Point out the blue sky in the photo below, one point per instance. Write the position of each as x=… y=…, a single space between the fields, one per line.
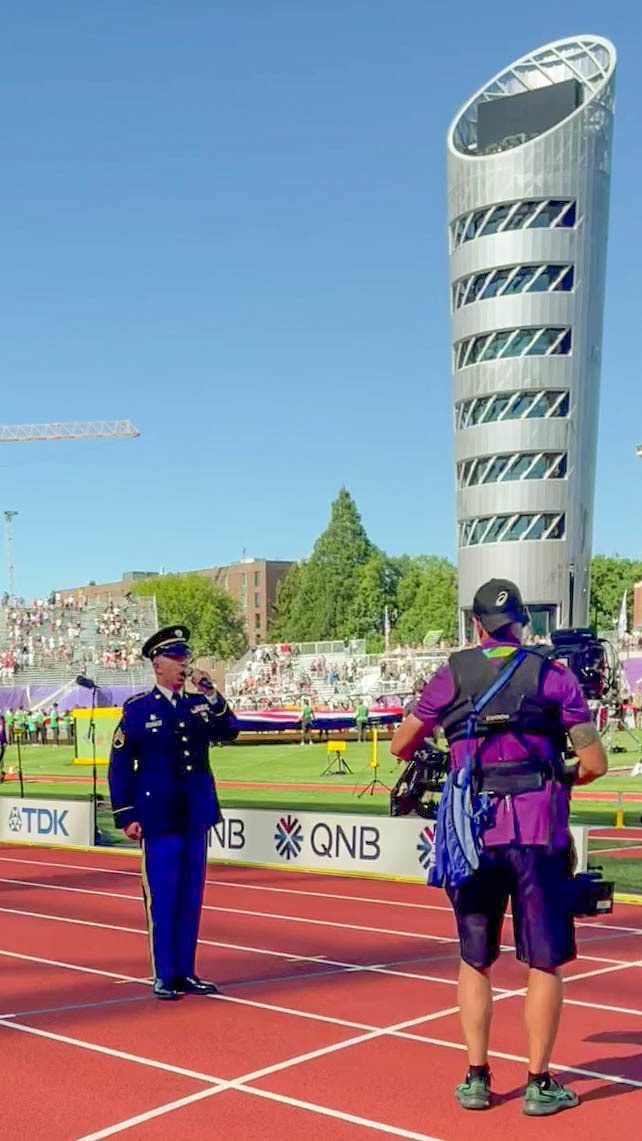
x=226 y=221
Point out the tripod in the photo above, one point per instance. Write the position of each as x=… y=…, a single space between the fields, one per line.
x=374 y=765
x=615 y=724
x=20 y=772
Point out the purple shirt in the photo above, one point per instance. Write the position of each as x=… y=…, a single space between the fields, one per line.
x=539 y=817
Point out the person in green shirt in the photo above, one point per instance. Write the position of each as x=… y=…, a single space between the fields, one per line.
x=54 y=722
x=361 y=719
x=68 y=723
x=41 y=732
x=8 y=720
x=307 y=718
x=31 y=728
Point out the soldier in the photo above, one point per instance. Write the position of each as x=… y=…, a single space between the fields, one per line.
x=163 y=795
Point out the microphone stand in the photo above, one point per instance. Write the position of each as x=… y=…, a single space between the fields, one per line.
x=20 y=773
x=91 y=736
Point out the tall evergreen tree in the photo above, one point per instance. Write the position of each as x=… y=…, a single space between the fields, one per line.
x=324 y=603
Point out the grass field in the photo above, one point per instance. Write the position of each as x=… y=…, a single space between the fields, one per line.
x=239 y=769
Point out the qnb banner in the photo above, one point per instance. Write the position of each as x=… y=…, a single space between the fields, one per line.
x=57 y=822
x=394 y=848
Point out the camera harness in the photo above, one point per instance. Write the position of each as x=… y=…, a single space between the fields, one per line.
x=465 y=806
x=488 y=702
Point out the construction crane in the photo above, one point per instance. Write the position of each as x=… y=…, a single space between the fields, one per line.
x=82 y=430
x=30 y=433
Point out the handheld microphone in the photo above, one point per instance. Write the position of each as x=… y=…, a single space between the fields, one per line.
x=203 y=683
x=85 y=682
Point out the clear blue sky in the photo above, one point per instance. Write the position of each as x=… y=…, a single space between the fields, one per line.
x=226 y=221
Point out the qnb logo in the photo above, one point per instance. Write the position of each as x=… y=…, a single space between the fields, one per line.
x=425 y=845
x=288 y=838
x=38 y=821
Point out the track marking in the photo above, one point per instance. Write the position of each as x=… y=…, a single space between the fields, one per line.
x=241 y=911
x=75 y=1006
x=287 y=955
x=377 y=900
x=287 y=918
x=109 y=1051
x=243 y=1084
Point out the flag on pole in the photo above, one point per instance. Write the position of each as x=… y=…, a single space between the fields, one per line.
x=386 y=627
x=621 y=622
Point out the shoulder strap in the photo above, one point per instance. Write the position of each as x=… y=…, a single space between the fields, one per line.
x=500 y=681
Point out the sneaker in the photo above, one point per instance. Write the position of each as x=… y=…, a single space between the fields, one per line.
x=541 y=1101
x=474 y=1093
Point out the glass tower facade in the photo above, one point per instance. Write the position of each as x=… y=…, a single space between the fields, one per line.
x=528 y=196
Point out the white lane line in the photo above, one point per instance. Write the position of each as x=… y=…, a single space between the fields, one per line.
x=109 y=1051
x=398 y=1030
x=246 y=886
x=141 y=1118
x=278 y=1009
x=287 y=955
x=341 y=1115
x=377 y=900
x=596 y=1074
x=242 y=911
x=244 y=1083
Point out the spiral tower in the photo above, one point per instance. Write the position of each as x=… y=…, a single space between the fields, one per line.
x=529 y=161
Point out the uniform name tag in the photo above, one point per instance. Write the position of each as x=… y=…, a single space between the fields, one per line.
x=153 y=723
x=200 y=708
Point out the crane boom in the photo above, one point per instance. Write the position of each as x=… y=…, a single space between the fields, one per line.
x=80 y=430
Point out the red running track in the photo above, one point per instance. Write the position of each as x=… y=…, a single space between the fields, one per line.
x=338 y=1016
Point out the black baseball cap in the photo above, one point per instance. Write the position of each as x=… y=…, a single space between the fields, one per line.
x=497 y=603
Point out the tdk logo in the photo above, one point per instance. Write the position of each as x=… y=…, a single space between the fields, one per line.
x=31 y=821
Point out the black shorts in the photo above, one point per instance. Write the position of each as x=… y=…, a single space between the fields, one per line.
x=534 y=880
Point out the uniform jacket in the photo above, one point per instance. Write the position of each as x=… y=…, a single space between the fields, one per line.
x=159 y=771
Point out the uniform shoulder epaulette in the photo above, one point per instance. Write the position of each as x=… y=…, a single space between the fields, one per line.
x=134 y=697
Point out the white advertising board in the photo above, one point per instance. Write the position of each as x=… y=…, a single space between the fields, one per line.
x=66 y=823
x=391 y=847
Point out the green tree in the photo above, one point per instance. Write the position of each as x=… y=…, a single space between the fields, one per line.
x=376 y=589
x=611 y=576
x=323 y=605
x=213 y=617
x=286 y=593
x=426 y=599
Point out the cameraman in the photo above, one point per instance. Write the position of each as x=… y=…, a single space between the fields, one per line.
x=527 y=844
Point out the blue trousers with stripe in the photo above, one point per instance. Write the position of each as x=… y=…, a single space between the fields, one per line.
x=173 y=870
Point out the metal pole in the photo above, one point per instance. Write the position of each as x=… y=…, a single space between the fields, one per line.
x=9 y=516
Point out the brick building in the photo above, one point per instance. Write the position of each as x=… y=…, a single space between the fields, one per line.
x=252 y=582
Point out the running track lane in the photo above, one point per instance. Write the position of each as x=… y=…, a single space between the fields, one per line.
x=335 y=996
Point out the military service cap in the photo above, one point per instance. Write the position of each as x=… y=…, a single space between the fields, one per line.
x=172 y=640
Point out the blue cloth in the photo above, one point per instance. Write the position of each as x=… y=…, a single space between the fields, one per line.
x=173 y=870
x=159 y=771
x=461 y=819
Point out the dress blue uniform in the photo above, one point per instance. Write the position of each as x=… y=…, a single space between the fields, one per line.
x=160 y=777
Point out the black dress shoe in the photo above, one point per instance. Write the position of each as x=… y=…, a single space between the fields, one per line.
x=165 y=990
x=191 y=984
